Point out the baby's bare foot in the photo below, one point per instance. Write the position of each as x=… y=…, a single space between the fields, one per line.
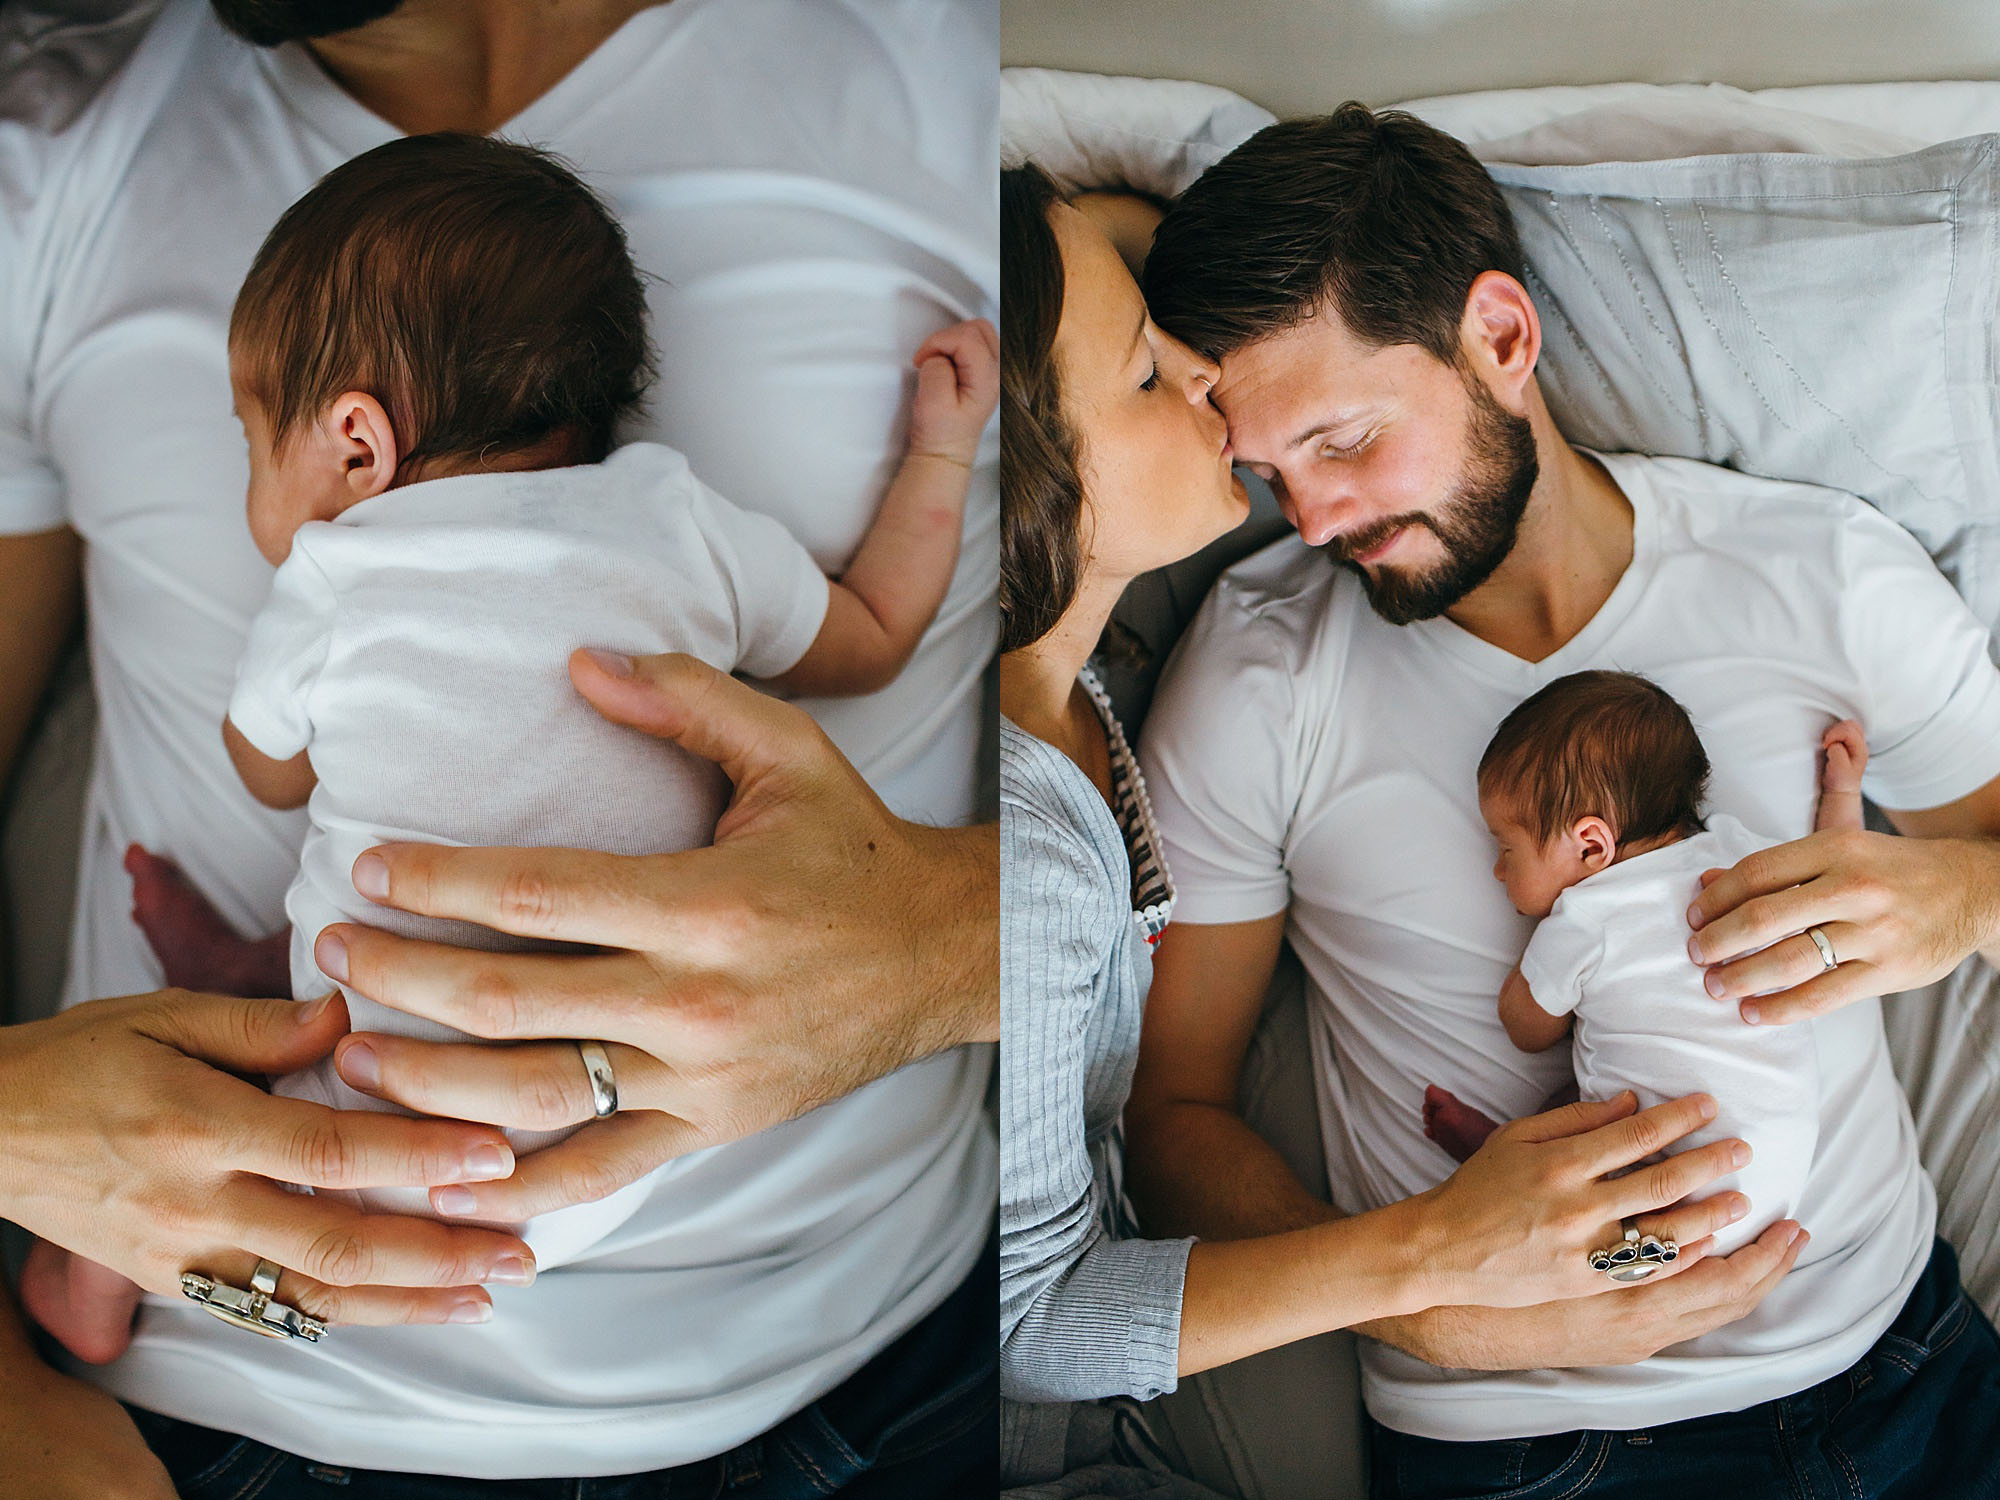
x=197 y=949
x=85 y=1307
x=1454 y=1125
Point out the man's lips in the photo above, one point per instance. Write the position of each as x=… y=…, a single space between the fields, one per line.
x=1380 y=549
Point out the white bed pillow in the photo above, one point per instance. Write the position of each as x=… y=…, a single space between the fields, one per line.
x=1794 y=316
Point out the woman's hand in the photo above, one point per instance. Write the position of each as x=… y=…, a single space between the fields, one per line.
x=819 y=944
x=1515 y=1225
x=1898 y=912
x=63 y=1440
x=129 y=1139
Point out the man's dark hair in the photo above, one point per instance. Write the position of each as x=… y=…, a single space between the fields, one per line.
x=270 y=22
x=1599 y=744
x=1041 y=491
x=475 y=288
x=1385 y=217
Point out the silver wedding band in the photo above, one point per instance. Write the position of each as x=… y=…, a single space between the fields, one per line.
x=254 y=1308
x=603 y=1085
x=1825 y=947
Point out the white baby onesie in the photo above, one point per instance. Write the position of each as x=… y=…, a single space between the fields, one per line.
x=1614 y=951
x=417 y=647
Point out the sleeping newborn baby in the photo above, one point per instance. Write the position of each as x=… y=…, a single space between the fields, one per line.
x=429 y=356
x=1592 y=788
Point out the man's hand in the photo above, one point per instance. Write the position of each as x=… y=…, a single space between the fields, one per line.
x=819 y=944
x=1898 y=913
x=127 y=1141
x=1621 y=1327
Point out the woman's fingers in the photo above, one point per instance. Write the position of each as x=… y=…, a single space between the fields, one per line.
x=1725 y=1287
x=1629 y=1140
x=500 y=996
x=294 y=1140
x=1788 y=962
x=1687 y=1223
x=364 y=1306
x=333 y=1242
x=1664 y=1182
x=243 y=1036
x=1577 y=1117
x=598 y=1160
x=532 y=1086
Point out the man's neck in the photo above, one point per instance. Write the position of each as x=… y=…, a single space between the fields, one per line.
x=1574 y=545
x=467 y=64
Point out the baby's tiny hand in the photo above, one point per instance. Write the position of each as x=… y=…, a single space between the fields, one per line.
x=958 y=384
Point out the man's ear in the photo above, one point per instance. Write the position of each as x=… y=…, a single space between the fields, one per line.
x=1593 y=842
x=362 y=439
x=1501 y=332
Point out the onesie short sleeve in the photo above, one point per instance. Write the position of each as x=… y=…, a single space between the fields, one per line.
x=1221 y=782
x=1927 y=692
x=282 y=659
x=780 y=594
x=1563 y=955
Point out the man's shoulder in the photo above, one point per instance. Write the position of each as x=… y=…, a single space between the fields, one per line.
x=1279 y=596
x=1707 y=501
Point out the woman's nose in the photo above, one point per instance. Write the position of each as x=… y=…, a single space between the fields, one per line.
x=1201 y=377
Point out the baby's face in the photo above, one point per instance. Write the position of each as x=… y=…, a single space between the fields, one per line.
x=1534 y=873
x=276 y=504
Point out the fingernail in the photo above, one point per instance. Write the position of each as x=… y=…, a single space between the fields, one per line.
x=312 y=1010
x=484 y=1163
x=1707 y=1106
x=471 y=1310
x=1749 y=1014
x=371 y=877
x=1694 y=949
x=454 y=1200
x=330 y=953
x=1738 y=1207
x=1740 y=1154
x=610 y=661
x=1695 y=920
x=515 y=1270
x=1712 y=982
x=361 y=1067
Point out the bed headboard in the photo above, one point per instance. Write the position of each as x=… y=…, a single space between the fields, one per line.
x=1303 y=56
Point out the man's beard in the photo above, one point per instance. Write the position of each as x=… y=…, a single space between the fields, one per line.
x=1476 y=524
x=269 y=22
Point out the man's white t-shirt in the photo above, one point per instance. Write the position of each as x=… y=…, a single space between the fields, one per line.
x=1613 y=953
x=1306 y=757
x=416 y=647
x=809 y=189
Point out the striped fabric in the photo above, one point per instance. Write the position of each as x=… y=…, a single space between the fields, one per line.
x=1152 y=885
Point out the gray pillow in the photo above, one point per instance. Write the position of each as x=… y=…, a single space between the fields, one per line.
x=1799 y=317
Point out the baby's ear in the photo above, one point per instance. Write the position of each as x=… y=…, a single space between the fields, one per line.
x=1595 y=844
x=363 y=439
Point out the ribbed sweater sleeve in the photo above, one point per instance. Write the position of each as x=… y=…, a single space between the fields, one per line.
x=1082 y=1314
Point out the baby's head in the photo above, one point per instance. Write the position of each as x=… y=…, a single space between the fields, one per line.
x=1594 y=768
x=441 y=304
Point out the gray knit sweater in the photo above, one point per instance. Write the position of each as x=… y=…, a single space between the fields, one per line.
x=1086 y=1309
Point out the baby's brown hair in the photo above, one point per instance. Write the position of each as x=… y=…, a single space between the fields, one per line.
x=1599 y=744
x=474 y=287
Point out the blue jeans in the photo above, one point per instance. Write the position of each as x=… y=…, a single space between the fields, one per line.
x=1918 y=1418
x=918 y=1421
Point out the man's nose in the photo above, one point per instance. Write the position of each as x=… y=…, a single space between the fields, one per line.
x=1319 y=505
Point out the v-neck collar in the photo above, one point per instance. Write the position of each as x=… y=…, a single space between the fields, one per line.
x=1502 y=667
x=350 y=126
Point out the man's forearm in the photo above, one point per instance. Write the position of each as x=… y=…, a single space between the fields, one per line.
x=1200 y=1169
x=965 y=874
